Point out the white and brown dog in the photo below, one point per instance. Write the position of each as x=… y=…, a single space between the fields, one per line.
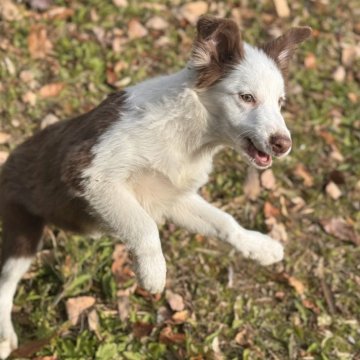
x=143 y=153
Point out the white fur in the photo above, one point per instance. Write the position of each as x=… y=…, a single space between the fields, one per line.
x=149 y=165
x=12 y=272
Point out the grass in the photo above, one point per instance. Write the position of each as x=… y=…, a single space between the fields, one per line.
x=264 y=314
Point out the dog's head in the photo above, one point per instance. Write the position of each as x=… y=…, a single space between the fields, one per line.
x=243 y=87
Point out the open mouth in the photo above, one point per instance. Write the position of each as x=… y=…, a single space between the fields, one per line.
x=260 y=158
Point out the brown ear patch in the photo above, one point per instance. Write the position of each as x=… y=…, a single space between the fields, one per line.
x=282 y=48
x=217 y=48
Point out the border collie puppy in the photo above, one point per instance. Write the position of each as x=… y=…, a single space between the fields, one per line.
x=141 y=156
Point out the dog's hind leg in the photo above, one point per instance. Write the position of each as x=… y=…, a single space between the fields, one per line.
x=22 y=233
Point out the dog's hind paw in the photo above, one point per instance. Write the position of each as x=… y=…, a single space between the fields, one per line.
x=7 y=345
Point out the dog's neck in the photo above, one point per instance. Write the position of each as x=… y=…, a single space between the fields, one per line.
x=172 y=99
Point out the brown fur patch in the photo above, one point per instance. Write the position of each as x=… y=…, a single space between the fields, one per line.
x=43 y=176
x=282 y=48
x=217 y=48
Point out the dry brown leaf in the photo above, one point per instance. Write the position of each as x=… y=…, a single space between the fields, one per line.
x=175 y=301
x=268 y=179
x=123 y=304
x=252 y=184
x=333 y=190
x=141 y=329
x=301 y=172
x=51 y=90
x=38 y=43
x=29 y=98
x=270 y=210
x=353 y=97
x=167 y=336
x=121 y=264
x=277 y=230
x=120 y=3
x=243 y=337
x=27 y=350
x=136 y=30
x=59 y=13
x=3 y=156
x=9 y=11
x=157 y=23
x=76 y=306
x=311 y=306
x=310 y=61
x=93 y=321
x=180 y=316
x=339 y=228
x=282 y=8
x=349 y=54
x=295 y=283
x=4 y=138
x=339 y=74
x=193 y=10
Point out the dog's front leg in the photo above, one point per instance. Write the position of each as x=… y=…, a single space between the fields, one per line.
x=197 y=215
x=125 y=217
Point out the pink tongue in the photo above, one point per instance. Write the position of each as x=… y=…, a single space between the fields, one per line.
x=262 y=157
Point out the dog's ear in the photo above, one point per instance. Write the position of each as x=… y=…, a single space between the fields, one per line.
x=282 y=48
x=216 y=49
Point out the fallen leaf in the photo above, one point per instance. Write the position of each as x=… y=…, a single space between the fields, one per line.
x=270 y=210
x=123 y=304
x=9 y=66
x=40 y=4
x=157 y=23
x=277 y=230
x=51 y=90
x=252 y=184
x=268 y=179
x=282 y=8
x=136 y=30
x=333 y=190
x=180 y=316
x=29 y=98
x=48 y=120
x=311 y=306
x=121 y=264
x=339 y=228
x=301 y=172
x=353 y=97
x=348 y=54
x=4 y=138
x=28 y=349
x=295 y=283
x=339 y=74
x=93 y=321
x=59 y=13
x=175 y=301
x=310 y=61
x=120 y=3
x=76 y=306
x=9 y=11
x=3 y=156
x=141 y=329
x=193 y=10
x=38 y=43
x=168 y=337
x=243 y=337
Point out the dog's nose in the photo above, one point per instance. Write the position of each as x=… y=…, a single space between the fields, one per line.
x=280 y=144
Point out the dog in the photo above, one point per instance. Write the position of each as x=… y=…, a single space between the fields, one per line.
x=141 y=156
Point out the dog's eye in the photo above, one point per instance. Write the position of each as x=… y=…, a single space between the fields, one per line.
x=248 y=98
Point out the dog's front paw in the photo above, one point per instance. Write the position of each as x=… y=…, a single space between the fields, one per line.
x=151 y=273
x=8 y=343
x=261 y=248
